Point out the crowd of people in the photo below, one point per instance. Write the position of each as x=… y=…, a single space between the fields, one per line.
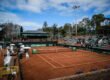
x=89 y=41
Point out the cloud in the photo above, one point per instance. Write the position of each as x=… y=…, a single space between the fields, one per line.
x=107 y=13
x=97 y=6
x=80 y=19
x=29 y=5
x=8 y=17
x=32 y=5
x=11 y=17
x=28 y=25
x=62 y=6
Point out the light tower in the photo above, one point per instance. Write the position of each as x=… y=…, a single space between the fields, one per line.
x=76 y=7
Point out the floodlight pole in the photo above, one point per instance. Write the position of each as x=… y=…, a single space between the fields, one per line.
x=76 y=28
x=75 y=7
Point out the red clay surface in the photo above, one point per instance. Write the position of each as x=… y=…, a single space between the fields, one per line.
x=64 y=62
x=52 y=49
x=1 y=60
x=1 y=57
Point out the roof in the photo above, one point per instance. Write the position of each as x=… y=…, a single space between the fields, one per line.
x=34 y=32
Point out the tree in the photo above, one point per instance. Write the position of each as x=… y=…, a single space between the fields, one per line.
x=45 y=26
x=21 y=30
x=61 y=31
x=86 y=24
x=55 y=31
x=68 y=29
x=97 y=19
x=10 y=31
x=81 y=30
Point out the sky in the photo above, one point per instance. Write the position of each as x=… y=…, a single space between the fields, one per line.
x=31 y=14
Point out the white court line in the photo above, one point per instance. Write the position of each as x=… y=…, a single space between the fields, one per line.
x=47 y=61
x=55 y=61
x=82 y=64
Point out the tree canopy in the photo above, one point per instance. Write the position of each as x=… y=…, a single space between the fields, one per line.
x=85 y=26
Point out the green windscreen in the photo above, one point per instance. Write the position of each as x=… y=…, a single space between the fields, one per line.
x=37 y=45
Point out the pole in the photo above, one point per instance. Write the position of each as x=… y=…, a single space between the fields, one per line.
x=76 y=28
x=75 y=7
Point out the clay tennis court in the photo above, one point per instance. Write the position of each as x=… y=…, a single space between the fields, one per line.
x=54 y=62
